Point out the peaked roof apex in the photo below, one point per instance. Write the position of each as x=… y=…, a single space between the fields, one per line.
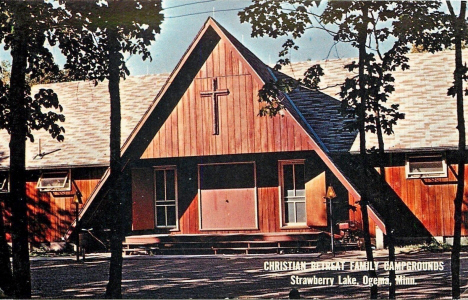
x=255 y=65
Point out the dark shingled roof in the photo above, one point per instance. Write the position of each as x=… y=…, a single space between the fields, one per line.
x=322 y=112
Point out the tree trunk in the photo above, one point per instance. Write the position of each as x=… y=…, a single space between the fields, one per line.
x=6 y=279
x=114 y=287
x=388 y=221
x=18 y=205
x=458 y=80
x=362 y=38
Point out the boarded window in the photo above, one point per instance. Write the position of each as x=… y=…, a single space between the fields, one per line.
x=426 y=166
x=228 y=196
x=227 y=176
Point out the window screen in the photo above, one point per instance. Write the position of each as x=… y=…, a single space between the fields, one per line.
x=428 y=166
x=54 y=181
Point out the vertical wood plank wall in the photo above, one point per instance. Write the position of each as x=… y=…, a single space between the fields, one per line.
x=51 y=216
x=188 y=130
x=268 y=195
x=430 y=200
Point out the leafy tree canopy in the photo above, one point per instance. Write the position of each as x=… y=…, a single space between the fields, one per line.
x=384 y=21
x=85 y=41
x=32 y=22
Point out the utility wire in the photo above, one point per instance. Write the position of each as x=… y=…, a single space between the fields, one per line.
x=187 y=4
x=205 y=12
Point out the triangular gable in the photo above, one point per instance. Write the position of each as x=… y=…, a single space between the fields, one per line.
x=211 y=42
x=179 y=124
x=189 y=129
x=198 y=64
x=180 y=79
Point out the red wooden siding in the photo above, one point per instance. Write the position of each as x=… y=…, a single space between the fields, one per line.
x=430 y=200
x=188 y=130
x=143 y=199
x=259 y=208
x=316 y=205
x=51 y=214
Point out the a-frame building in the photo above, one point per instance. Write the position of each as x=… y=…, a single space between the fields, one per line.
x=202 y=165
x=203 y=161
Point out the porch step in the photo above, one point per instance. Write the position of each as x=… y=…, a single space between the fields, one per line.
x=226 y=243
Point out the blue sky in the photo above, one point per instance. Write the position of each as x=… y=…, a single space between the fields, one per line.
x=184 y=18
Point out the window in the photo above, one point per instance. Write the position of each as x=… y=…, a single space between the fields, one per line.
x=4 y=182
x=58 y=181
x=426 y=166
x=166 y=197
x=292 y=181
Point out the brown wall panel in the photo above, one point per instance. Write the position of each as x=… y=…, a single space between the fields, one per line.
x=188 y=130
x=430 y=200
x=316 y=206
x=51 y=214
x=228 y=209
x=142 y=199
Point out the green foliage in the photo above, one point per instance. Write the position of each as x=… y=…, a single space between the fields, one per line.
x=272 y=94
x=94 y=42
x=385 y=20
x=379 y=85
x=430 y=33
x=312 y=76
x=36 y=118
x=51 y=77
x=435 y=246
x=280 y=18
x=26 y=27
x=33 y=22
x=85 y=40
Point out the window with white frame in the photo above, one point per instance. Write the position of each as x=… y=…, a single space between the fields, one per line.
x=292 y=181
x=426 y=166
x=166 y=197
x=4 y=182
x=54 y=181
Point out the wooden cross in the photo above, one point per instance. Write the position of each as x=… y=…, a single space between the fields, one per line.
x=214 y=94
